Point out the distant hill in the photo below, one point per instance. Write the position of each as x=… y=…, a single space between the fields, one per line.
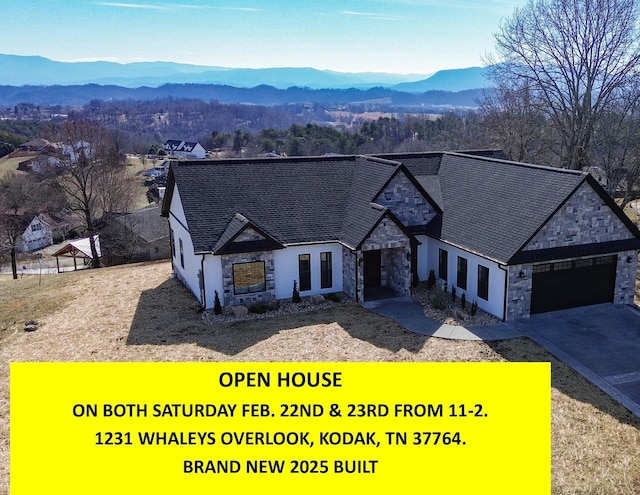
x=33 y=70
x=265 y=95
x=449 y=80
x=18 y=70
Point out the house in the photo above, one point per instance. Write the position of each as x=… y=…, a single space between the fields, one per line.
x=139 y=236
x=45 y=230
x=183 y=149
x=516 y=238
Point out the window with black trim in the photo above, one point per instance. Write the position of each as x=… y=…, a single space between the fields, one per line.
x=172 y=240
x=483 y=282
x=181 y=254
x=249 y=277
x=304 y=271
x=443 y=263
x=326 y=270
x=462 y=273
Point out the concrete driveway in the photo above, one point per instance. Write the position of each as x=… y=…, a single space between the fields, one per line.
x=601 y=342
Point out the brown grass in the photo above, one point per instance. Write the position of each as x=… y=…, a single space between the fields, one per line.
x=137 y=313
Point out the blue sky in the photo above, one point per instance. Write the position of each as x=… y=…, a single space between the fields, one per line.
x=397 y=36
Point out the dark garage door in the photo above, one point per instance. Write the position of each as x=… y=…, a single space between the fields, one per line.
x=569 y=284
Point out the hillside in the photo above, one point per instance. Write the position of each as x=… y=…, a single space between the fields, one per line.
x=259 y=95
x=595 y=442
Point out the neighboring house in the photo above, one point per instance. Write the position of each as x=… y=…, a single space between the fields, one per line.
x=516 y=238
x=183 y=149
x=139 y=236
x=40 y=145
x=45 y=230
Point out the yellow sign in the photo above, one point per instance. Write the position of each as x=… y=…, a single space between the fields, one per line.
x=167 y=428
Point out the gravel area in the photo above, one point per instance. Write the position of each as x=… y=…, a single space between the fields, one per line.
x=451 y=312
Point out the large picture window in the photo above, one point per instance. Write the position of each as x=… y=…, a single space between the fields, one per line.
x=249 y=277
x=326 y=270
x=462 y=273
x=304 y=271
x=483 y=282
x=443 y=263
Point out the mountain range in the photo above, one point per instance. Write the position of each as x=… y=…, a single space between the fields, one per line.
x=17 y=70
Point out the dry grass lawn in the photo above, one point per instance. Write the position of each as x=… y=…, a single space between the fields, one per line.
x=137 y=313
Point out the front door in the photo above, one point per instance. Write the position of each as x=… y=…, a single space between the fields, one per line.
x=372 y=268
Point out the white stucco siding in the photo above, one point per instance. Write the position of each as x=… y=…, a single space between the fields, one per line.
x=423 y=259
x=497 y=276
x=286 y=269
x=186 y=264
x=213 y=280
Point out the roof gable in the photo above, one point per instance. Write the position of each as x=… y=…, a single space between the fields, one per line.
x=492 y=207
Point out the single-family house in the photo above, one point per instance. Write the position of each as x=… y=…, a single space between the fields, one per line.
x=45 y=230
x=184 y=149
x=142 y=235
x=516 y=238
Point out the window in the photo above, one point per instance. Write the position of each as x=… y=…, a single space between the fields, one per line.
x=172 y=241
x=483 y=282
x=326 y=271
x=181 y=254
x=443 y=263
x=249 y=277
x=36 y=227
x=304 y=271
x=462 y=273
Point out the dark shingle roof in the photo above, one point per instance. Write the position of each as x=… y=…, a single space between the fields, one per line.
x=493 y=207
x=293 y=200
x=147 y=223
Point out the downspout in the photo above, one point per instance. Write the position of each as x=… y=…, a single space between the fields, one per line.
x=506 y=294
x=355 y=254
x=204 y=284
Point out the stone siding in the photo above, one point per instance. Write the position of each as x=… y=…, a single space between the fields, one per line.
x=349 y=260
x=519 y=287
x=583 y=219
x=395 y=259
x=626 y=272
x=230 y=298
x=249 y=234
x=406 y=202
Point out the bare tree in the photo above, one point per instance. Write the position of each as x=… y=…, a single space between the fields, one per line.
x=92 y=172
x=578 y=58
x=18 y=199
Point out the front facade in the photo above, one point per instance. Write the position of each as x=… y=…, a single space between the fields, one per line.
x=517 y=239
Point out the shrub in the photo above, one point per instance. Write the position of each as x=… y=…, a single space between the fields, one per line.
x=217 y=307
x=438 y=298
x=453 y=293
x=431 y=280
x=474 y=308
x=463 y=300
x=295 y=297
x=333 y=296
x=258 y=308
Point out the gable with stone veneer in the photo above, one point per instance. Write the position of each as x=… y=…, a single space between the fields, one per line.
x=584 y=218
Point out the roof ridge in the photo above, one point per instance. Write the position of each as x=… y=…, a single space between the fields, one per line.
x=517 y=164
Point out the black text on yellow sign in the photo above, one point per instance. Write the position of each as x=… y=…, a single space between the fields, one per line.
x=167 y=428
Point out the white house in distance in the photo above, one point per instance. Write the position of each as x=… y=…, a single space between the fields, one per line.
x=516 y=238
x=185 y=150
x=44 y=230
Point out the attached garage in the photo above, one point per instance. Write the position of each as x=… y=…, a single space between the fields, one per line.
x=573 y=283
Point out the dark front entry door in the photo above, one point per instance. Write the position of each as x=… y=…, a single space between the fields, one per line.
x=372 y=265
